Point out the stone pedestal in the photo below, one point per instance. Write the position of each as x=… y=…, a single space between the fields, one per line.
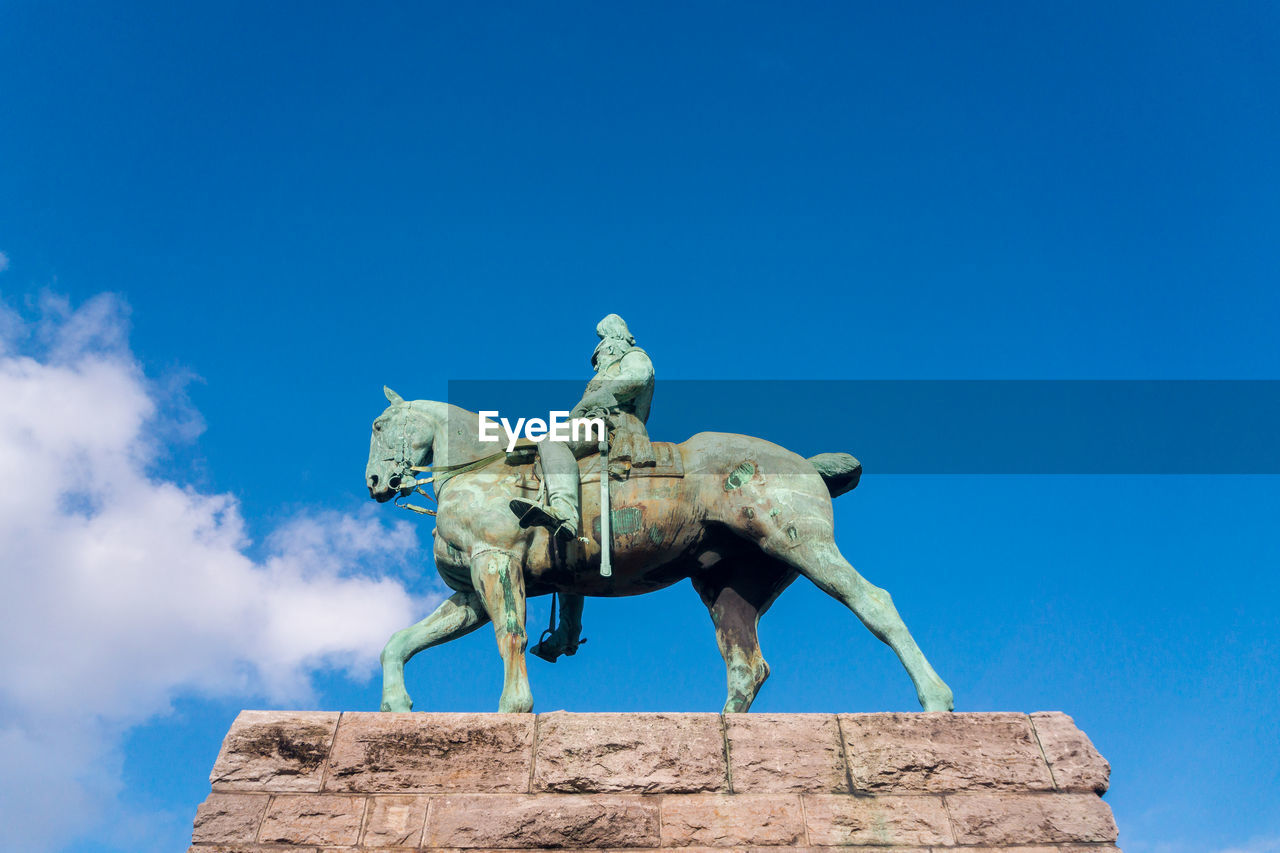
x=315 y=781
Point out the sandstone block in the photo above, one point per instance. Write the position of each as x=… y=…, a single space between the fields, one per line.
x=1004 y=819
x=429 y=753
x=874 y=848
x=940 y=752
x=321 y=819
x=1047 y=848
x=738 y=849
x=275 y=751
x=649 y=753
x=837 y=820
x=785 y=752
x=723 y=820
x=502 y=821
x=250 y=848
x=229 y=818
x=697 y=783
x=1075 y=764
x=394 y=821
x=628 y=849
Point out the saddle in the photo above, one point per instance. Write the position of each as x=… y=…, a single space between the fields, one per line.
x=665 y=456
x=667 y=462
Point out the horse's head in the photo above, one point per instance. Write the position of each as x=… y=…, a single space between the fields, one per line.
x=402 y=438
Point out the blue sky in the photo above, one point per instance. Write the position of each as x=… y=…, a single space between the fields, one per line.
x=224 y=228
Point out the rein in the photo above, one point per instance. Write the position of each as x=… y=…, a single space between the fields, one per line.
x=440 y=474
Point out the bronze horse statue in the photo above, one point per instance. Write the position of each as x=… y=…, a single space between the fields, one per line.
x=739 y=516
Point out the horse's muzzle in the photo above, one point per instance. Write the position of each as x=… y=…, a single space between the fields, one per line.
x=381 y=494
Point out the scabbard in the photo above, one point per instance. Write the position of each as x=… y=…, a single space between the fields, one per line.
x=606 y=532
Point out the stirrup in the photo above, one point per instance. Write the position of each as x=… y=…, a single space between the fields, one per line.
x=543 y=651
x=532 y=513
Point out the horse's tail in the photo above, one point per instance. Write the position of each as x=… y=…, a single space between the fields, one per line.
x=840 y=471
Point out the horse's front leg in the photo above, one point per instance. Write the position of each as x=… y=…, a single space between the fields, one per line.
x=499 y=577
x=458 y=615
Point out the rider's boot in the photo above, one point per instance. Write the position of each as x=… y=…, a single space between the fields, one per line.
x=566 y=637
x=560 y=474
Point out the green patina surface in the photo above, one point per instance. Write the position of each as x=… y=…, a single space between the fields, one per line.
x=422 y=436
x=456 y=575
x=625 y=520
x=513 y=624
x=739 y=476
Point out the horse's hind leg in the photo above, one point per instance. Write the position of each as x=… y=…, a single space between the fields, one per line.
x=737 y=595
x=499 y=577
x=458 y=615
x=817 y=558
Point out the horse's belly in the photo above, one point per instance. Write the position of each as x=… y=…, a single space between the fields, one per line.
x=650 y=530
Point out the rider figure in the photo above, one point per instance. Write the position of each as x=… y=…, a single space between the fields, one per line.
x=620 y=393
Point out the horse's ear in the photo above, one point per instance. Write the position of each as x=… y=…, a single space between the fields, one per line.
x=392 y=396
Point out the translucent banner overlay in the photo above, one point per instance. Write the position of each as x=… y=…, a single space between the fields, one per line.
x=957 y=427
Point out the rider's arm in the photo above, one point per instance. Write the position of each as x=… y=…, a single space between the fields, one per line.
x=635 y=373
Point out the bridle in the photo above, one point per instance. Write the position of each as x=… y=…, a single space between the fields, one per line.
x=439 y=474
x=416 y=486
x=405 y=483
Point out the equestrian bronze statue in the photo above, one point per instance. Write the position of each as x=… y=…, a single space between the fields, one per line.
x=739 y=516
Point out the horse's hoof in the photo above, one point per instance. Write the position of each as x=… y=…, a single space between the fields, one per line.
x=397 y=704
x=941 y=701
x=519 y=703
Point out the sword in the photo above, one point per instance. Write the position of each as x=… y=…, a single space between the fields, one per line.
x=606 y=535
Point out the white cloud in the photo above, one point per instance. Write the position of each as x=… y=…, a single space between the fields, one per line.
x=4 y=262
x=122 y=590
